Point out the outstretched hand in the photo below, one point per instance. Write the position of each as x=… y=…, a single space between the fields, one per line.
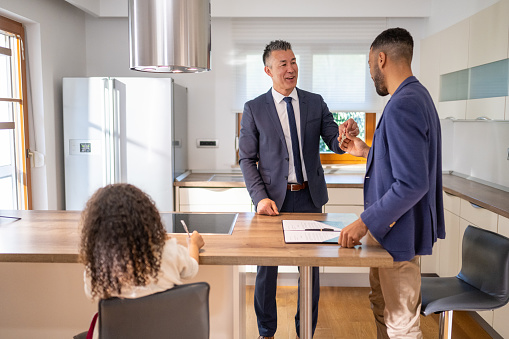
x=349 y=126
x=353 y=145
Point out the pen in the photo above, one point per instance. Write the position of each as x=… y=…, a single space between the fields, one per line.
x=185 y=228
x=320 y=229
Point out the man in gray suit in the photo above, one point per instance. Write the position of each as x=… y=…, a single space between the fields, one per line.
x=280 y=160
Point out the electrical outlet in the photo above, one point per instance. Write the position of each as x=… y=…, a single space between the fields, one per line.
x=208 y=143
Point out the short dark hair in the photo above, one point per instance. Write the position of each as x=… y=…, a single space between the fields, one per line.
x=395 y=42
x=277 y=45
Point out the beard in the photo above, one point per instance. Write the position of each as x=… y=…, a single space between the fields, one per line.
x=379 y=80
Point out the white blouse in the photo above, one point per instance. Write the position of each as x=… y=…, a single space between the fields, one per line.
x=176 y=264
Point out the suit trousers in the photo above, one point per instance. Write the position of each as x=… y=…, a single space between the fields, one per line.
x=266 y=277
x=396 y=298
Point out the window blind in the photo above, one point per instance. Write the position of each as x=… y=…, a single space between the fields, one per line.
x=332 y=55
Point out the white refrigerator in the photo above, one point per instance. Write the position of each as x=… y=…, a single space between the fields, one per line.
x=130 y=130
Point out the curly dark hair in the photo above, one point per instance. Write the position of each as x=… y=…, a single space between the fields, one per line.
x=122 y=239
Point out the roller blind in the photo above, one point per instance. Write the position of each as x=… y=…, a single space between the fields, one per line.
x=332 y=55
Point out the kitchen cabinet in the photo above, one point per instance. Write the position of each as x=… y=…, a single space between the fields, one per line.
x=454 y=42
x=213 y=199
x=471 y=214
x=430 y=68
x=448 y=247
x=452 y=109
x=491 y=108
x=501 y=315
x=478 y=216
x=345 y=200
x=449 y=265
x=489 y=35
x=459 y=213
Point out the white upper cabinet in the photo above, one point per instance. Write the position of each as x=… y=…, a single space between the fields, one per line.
x=430 y=71
x=454 y=47
x=489 y=35
x=490 y=108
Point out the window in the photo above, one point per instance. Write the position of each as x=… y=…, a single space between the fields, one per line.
x=14 y=166
x=366 y=123
x=332 y=59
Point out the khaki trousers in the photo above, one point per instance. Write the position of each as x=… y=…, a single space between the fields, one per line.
x=396 y=298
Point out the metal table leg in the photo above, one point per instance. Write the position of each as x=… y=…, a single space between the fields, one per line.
x=306 y=306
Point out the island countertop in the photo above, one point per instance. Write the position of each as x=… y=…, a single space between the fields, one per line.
x=53 y=236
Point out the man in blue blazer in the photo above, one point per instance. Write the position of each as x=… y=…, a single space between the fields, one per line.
x=403 y=207
x=280 y=160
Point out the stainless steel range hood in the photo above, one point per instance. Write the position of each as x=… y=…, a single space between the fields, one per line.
x=169 y=36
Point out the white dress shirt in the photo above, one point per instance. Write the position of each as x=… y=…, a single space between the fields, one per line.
x=285 y=124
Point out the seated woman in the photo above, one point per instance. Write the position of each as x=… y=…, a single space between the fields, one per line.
x=125 y=248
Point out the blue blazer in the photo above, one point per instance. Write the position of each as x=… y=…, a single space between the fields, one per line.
x=403 y=206
x=263 y=155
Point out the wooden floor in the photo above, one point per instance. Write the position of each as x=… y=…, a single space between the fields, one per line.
x=344 y=312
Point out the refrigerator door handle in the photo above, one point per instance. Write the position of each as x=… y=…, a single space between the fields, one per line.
x=119 y=130
x=108 y=134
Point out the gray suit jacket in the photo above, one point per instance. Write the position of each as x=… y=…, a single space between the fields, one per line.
x=263 y=155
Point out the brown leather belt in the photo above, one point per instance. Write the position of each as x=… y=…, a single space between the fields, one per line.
x=297 y=187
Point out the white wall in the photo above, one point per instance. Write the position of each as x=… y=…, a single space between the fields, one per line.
x=320 y=8
x=446 y=13
x=56 y=47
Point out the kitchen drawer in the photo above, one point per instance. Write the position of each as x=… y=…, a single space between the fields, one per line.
x=452 y=109
x=215 y=208
x=216 y=196
x=491 y=108
x=478 y=216
x=346 y=196
x=503 y=227
x=430 y=263
x=453 y=52
x=452 y=203
x=500 y=323
x=450 y=254
x=343 y=209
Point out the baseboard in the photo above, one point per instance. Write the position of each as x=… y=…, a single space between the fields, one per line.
x=485 y=326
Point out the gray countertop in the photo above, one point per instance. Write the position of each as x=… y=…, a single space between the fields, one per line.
x=334 y=180
x=490 y=198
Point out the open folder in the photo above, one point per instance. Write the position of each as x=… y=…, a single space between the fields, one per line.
x=315 y=232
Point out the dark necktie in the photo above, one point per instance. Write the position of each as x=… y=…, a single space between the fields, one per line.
x=295 y=140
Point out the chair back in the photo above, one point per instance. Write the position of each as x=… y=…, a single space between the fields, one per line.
x=180 y=312
x=485 y=261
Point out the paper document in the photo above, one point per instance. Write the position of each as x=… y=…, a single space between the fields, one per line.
x=312 y=231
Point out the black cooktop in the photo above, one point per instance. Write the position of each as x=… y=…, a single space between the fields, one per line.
x=211 y=223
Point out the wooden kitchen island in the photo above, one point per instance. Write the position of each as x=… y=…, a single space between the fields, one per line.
x=53 y=237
